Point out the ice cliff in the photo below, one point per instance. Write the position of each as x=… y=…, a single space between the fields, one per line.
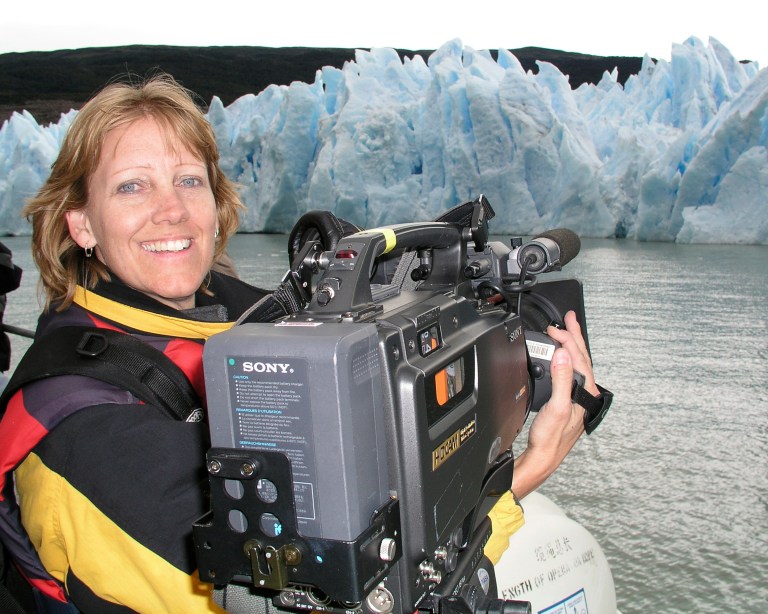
x=679 y=153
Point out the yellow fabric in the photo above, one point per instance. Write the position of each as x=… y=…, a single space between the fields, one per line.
x=68 y=531
x=146 y=320
x=506 y=518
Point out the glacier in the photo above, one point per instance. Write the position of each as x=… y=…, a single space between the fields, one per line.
x=677 y=153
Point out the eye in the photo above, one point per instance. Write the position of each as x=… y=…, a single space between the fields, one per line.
x=190 y=182
x=130 y=187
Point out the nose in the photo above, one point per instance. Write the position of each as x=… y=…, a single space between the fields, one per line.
x=169 y=207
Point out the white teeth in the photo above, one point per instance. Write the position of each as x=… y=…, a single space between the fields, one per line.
x=166 y=246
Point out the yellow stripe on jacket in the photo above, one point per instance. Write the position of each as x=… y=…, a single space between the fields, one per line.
x=69 y=532
x=147 y=321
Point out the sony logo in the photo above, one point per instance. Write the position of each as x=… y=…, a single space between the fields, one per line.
x=515 y=333
x=267 y=367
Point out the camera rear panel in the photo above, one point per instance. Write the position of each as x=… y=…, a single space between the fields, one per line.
x=313 y=392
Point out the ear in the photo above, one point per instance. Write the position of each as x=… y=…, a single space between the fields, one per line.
x=80 y=228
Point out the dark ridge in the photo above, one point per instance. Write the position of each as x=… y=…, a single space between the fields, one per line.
x=50 y=83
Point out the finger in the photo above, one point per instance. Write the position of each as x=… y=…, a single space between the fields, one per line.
x=562 y=383
x=571 y=339
x=561 y=371
x=580 y=357
x=567 y=339
x=572 y=326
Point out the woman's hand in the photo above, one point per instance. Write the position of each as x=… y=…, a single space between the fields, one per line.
x=560 y=422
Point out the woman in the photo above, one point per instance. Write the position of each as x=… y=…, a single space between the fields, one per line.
x=125 y=233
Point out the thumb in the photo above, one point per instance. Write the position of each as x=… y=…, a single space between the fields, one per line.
x=561 y=370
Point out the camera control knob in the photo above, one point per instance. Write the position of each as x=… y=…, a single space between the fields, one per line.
x=387 y=549
x=421 y=272
x=325 y=295
x=429 y=573
x=449 y=558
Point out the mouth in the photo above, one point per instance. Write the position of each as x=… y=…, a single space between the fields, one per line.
x=167 y=246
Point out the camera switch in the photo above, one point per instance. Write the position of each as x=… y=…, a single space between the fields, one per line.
x=387 y=549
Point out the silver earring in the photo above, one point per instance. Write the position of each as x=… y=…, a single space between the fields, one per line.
x=88 y=251
x=216 y=234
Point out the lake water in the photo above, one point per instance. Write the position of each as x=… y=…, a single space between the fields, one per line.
x=674 y=484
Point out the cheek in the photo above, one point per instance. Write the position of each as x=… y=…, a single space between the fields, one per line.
x=213 y=209
x=113 y=229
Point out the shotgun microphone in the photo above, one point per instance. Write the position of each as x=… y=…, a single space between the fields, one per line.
x=549 y=251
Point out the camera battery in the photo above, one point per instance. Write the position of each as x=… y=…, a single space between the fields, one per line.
x=312 y=391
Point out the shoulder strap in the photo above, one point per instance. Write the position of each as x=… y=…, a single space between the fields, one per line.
x=11 y=597
x=113 y=357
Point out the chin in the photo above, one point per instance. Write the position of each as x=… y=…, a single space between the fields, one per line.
x=177 y=294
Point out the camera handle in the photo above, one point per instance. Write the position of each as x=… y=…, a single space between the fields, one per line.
x=321 y=241
x=345 y=288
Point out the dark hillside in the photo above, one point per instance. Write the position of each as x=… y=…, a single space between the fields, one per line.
x=49 y=83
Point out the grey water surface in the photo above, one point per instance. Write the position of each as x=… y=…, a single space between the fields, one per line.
x=674 y=484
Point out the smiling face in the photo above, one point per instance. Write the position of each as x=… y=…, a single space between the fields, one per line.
x=151 y=214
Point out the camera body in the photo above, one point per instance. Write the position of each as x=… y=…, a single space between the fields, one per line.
x=358 y=444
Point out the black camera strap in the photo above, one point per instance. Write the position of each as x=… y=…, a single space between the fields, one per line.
x=284 y=301
x=595 y=407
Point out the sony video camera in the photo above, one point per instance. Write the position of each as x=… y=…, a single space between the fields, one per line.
x=358 y=444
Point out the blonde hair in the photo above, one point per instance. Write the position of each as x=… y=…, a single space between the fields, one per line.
x=60 y=260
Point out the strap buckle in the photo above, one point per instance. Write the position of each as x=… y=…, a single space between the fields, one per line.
x=92 y=344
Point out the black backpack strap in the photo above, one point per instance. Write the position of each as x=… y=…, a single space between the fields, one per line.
x=113 y=357
x=15 y=593
x=8 y=602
